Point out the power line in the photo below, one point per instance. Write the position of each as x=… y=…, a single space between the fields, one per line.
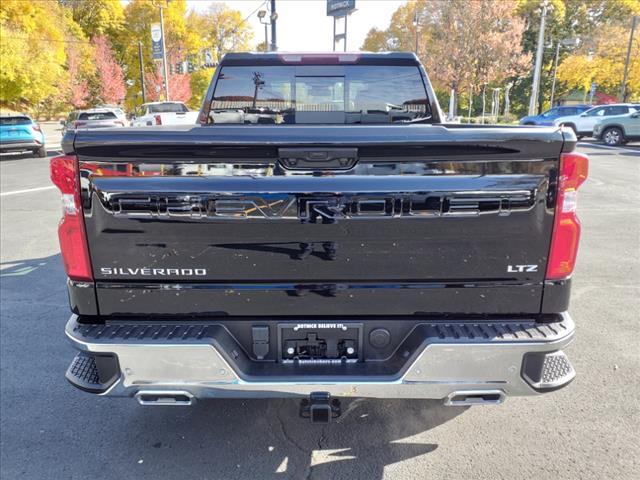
x=46 y=39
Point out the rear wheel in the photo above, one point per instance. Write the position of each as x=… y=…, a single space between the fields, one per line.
x=41 y=152
x=613 y=136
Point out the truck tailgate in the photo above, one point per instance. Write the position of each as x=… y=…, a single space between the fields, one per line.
x=368 y=220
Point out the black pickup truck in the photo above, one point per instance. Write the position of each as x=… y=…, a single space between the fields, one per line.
x=321 y=233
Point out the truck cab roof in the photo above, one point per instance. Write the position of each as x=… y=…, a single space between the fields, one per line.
x=320 y=58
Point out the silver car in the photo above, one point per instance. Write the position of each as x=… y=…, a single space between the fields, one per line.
x=91 y=119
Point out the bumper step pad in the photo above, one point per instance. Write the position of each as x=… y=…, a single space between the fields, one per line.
x=547 y=371
x=92 y=373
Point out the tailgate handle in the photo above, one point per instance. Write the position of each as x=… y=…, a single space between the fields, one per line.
x=318 y=158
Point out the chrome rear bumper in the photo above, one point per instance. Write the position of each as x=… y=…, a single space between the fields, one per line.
x=519 y=361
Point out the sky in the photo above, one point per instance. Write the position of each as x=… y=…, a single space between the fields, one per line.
x=303 y=25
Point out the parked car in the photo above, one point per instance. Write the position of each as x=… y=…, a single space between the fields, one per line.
x=163 y=113
x=583 y=123
x=324 y=253
x=120 y=113
x=92 y=119
x=618 y=130
x=20 y=133
x=547 y=118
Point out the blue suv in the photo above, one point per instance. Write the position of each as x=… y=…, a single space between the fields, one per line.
x=19 y=133
x=547 y=118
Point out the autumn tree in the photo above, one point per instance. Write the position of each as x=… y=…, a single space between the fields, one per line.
x=179 y=85
x=97 y=17
x=32 y=51
x=601 y=61
x=77 y=87
x=566 y=19
x=224 y=30
x=46 y=58
x=111 y=87
x=199 y=82
x=461 y=43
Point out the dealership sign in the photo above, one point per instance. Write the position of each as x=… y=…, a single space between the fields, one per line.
x=340 y=8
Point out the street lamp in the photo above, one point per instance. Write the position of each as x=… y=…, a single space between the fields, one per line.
x=567 y=42
x=262 y=14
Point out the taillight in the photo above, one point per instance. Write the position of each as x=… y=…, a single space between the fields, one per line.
x=71 y=232
x=158 y=119
x=36 y=127
x=77 y=125
x=574 y=168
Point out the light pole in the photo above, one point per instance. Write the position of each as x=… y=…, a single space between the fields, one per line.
x=274 y=17
x=484 y=91
x=416 y=24
x=262 y=14
x=568 y=42
x=623 y=89
x=535 y=87
x=144 y=100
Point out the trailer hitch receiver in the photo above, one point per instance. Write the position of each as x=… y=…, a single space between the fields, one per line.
x=320 y=407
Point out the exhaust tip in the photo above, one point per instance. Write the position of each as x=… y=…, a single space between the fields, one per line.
x=462 y=398
x=165 y=397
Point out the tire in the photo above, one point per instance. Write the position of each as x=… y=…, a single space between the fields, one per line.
x=613 y=136
x=41 y=152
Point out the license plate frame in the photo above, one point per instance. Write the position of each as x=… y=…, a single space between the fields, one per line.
x=335 y=335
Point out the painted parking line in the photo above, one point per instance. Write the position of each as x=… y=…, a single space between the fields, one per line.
x=607 y=147
x=28 y=190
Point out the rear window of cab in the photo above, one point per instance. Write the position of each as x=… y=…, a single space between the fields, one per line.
x=97 y=116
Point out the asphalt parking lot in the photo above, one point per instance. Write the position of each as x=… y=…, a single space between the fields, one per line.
x=586 y=431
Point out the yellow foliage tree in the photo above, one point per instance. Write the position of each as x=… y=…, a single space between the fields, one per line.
x=601 y=61
x=32 y=53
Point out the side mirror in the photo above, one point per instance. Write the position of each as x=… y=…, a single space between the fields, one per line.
x=583 y=114
x=63 y=123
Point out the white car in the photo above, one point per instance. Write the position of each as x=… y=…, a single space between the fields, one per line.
x=119 y=112
x=583 y=123
x=163 y=113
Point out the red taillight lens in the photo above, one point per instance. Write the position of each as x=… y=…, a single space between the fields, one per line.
x=574 y=168
x=36 y=127
x=158 y=119
x=73 y=241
